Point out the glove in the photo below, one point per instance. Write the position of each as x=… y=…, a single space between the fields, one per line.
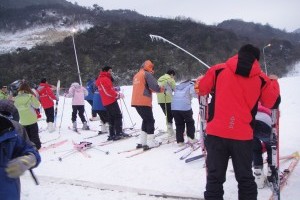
x=16 y=167
x=120 y=95
x=117 y=88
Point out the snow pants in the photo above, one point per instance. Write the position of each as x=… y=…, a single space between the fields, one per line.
x=148 y=120
x=80 y=110
x=49 y=112
x=182 y=119
x=94 y=113
x=33 y=134
x=166 y=108
x=102 y=114
x=219 y=150
x=114 y=119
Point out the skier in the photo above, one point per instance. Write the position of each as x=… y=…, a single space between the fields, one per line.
x=89 y=98
x=164 y=99
x=109 y=98
x=99 y=109
x=261 y=142
x=26 y=103
x=77 y=93
x=182 y=111
x=46 y=97
x=144 y=84
x=17 y=156
x=3 y=93
x=236 y=87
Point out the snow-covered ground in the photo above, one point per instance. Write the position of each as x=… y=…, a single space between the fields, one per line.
x=31 y=37
x=148 y=176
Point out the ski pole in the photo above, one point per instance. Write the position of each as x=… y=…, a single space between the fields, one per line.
x=128 y=114
x=34 y=177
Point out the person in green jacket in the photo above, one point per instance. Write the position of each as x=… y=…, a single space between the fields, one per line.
x=3 y=93
x=165 y=99
x=26 y=103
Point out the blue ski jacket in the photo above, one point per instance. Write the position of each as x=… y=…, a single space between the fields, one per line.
x=12 y=146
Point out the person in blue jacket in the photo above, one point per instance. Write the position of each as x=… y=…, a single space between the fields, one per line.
x=16 y=156
x=99 y=109
x=90 y=96
x=182 y=112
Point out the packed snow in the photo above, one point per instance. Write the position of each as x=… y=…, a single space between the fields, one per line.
x=152 y=175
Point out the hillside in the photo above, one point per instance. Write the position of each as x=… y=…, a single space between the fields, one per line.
x=120 y=38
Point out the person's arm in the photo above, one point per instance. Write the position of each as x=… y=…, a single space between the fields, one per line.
x=35 y=102
x=152 y=83
x=270 y=94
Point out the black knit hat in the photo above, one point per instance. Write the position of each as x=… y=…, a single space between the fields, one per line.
x=171 y=72
x=250 y=50
x=43 y=80
x=106 y=68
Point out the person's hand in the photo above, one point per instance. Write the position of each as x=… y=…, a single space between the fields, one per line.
x=162 y=89
x=121 y=95
x=16 y=167
x=273 y=77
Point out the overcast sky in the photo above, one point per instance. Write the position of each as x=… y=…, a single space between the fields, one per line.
x=282 y=14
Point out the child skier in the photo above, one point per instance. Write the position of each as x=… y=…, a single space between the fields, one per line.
x=77 y=92
x=261 y=142
x=182 y=111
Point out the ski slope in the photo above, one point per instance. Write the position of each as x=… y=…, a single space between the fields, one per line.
x=148 y=176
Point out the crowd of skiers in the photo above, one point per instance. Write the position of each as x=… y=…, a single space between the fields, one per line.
x=238 y=123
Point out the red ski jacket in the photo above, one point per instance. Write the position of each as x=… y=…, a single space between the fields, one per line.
x=236 y=87
x=46 y=95
x=106 y=88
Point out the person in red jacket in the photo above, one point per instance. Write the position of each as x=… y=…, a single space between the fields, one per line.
x=46 y=97
x=110 y=101
x=236 y=87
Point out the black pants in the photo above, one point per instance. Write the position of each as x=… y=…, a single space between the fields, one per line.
x=148 y=120
x=258 y=152
x=218 y=152
x=49 y=112
x=103 y=115
x=169 y=112
x=80 y=110
x=94 y=113
x=114 y=118
x=33 y=134
x=182 y=119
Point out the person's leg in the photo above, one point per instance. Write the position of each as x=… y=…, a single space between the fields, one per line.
x=216 y=164
x=190 y=124
x=241 y=153
x=33 y=134
x=180 y=126
x=80 y=109
x=257 y=152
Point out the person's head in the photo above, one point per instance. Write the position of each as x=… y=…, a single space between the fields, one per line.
x=25 y=88
x=106 y=69
x=148 y=66
x=250 y=50
x=171 y=72
x=4 y=88
x=43 y=80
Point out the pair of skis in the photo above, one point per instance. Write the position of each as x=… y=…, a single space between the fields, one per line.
x=81 y=147
x=191 y=148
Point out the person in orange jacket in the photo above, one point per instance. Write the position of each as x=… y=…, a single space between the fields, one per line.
x=236 y=87
x=144 y=84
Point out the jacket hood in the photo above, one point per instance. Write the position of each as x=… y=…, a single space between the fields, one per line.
x=244 y=65
x=148 y=66
x=164 y=78
x=76 y=85
x=184 y=85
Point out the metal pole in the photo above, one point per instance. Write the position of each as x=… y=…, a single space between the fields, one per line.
x=76 y=60
x=266 y=71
